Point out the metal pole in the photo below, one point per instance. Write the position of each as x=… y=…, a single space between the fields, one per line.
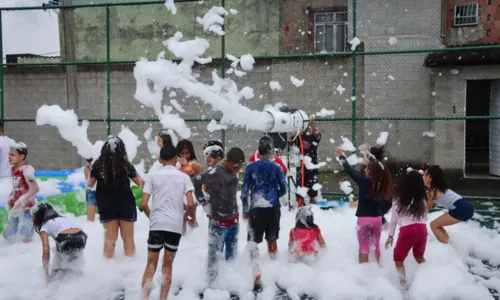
x=108 y=74
x=354 y=76
x=222 y=70
x=2 y=103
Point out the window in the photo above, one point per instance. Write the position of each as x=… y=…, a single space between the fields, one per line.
x=466 y=14
x=330 y=32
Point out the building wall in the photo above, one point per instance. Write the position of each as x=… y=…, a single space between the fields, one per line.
x=26 y=89
x=451 y=93
x=486 y=32
x=398 y=84
x=297 y=23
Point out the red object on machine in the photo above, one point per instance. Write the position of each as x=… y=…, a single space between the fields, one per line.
x=300 y=201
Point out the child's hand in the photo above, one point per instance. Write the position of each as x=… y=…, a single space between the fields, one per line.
x=339 y=152
x=183 y=161
x=388 y=243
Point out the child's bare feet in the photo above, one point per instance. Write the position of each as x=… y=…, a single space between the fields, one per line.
x=257 y=284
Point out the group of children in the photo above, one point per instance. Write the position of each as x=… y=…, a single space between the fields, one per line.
x=179 y=183
x=411 y=196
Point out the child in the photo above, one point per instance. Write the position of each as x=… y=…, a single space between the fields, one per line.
x=275 y=159
x=190 y=166
x=265 y=182
x=168 y=187
x=308 y=142
x=116 y=203
x=90 y=194
x=214 y=153
x=409 y=210
x=22 y=198
x=459 y=210
x=385 y=206
x=303 y=238
x=70 y=241
x=222 y=182
x=373 y=186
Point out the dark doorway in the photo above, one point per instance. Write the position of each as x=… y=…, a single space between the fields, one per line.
x=477 y=131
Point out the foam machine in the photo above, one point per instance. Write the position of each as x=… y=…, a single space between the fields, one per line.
x=283 y=126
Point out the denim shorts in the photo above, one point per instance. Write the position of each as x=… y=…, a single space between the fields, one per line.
x=20 y=225
x=91 y=198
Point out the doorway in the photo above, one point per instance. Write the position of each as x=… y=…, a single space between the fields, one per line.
x=477 y=132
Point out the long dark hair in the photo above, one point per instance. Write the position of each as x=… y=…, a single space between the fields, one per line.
x=438 y=181
x=410 y=195
x=113 y=162
x=305 y=218
x=42 y=213
x=380 y=180
x=186 y=144
x=166 y=138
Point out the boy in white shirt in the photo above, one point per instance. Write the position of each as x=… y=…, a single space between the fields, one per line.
x=167 y=186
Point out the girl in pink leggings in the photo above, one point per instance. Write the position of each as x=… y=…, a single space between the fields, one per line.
x=409 y=210
x=373 y=186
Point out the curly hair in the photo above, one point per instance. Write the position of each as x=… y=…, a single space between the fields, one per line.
x=410 y=195
x=380 y=180
x=113 y=162
x=438 y=181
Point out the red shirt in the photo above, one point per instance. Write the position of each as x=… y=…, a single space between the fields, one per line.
x=20 y=183
x=276 y=159
x=304 y=240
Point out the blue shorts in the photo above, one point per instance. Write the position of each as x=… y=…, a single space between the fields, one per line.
x=461 y=210
x=91 y=198
x=19 y=225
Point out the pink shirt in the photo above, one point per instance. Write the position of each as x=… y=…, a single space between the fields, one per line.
x=403 y=220
x=304 y=240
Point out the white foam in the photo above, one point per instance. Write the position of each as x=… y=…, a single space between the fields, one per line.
x=66 y=122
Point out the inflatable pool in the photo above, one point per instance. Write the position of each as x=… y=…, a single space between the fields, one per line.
x=65 y=189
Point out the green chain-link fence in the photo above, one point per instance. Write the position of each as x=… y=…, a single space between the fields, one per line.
x=400 y=78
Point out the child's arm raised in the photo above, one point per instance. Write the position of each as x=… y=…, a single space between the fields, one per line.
x=45 y=253
x=347 y=167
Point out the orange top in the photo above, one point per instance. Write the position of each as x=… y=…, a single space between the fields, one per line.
x=188 y=168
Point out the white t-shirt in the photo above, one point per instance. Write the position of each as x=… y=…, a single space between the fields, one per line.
x=167 y=186
x=55 y=226
x=5 y=169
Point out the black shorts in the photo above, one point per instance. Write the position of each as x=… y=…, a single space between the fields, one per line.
x=163 y=239
x=110 y=210
x=71 y=243
x=264 y=220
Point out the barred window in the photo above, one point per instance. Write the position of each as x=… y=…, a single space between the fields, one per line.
x=330 y=32
x=466 y=14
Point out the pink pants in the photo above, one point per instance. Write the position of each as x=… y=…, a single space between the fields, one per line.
x=369 y=230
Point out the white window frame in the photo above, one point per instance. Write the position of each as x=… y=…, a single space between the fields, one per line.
x=335 y=25
x=465 y=6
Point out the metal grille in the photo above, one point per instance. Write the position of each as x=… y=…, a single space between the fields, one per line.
x=387 y=83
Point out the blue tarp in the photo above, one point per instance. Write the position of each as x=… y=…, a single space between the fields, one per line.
x=54 y=173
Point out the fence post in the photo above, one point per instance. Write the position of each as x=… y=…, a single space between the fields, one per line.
x=354 y=76
x=108 y=74
x=222 y=68
x=2 y=106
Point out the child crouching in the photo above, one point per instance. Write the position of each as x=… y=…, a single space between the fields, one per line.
x=69 y=237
